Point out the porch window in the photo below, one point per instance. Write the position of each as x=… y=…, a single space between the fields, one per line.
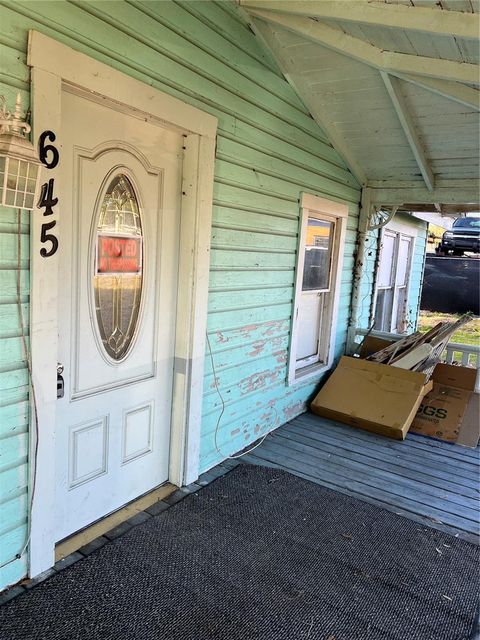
x=320 y=253
x=393 y=276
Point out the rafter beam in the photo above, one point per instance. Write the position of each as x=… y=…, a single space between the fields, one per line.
x=461 y=93
x=423 y=19
x=389 y=61
x=266 y=34
x=445 y=192
x=401 y=108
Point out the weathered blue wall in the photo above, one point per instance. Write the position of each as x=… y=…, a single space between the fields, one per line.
x=269 y=151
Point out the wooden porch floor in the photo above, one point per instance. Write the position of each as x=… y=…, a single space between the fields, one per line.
x=431 y=482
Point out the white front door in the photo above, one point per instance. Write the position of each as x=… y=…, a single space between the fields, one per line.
x=117 y=307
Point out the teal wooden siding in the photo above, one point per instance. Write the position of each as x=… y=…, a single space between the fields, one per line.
x=419 y=230
x=269 y=151
x=14 y=412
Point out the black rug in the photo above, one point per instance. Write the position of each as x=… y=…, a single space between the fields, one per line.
x=260 y=554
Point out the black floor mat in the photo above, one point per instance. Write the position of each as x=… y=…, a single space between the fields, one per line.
x=260 y=554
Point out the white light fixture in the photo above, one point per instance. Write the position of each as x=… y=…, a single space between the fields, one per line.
x=19 y=163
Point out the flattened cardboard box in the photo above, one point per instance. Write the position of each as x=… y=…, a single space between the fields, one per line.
x=372 y=396
x=443 y=412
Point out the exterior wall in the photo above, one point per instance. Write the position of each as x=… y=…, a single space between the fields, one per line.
x=419 y=230
x=14 y=413
x=269 y=151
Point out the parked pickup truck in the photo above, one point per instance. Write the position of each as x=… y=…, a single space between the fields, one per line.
x=464 y=236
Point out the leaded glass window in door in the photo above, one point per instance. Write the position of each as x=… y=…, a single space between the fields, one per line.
x=118 y=276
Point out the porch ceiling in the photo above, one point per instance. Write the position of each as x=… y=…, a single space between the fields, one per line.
x=395 y=86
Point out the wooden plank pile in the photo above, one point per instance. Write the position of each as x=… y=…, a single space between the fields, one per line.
x=420 y=351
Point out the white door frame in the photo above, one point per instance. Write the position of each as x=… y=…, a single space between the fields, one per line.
x=54 y=64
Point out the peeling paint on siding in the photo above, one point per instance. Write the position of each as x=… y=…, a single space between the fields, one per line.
x=269 y=151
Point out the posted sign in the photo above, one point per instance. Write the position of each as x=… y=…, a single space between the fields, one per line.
x=119 y=254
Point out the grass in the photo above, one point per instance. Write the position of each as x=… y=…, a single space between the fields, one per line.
x=468 y=334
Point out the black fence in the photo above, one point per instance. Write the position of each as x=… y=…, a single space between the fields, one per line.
x=451 y=285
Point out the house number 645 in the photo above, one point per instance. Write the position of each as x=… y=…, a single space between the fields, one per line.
x=49 y=156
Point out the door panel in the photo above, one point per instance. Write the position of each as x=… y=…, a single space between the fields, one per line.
x=113 y=424
x=87 y=348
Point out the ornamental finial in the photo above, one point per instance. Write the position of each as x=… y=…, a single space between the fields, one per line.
x=12 y=122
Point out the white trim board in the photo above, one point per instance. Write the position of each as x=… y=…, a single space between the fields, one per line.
x=402 y=225
x=363 y=51
x=54 y=64
x=430 y=20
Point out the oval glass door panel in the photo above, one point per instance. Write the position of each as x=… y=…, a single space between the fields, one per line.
x=118 y=275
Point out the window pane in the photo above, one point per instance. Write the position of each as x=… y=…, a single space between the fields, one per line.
x=383 y=310
x=119 y=264
x=467 y=223
x=386 y=260
x=318 y=251
x=403 y=258
x=310 y=323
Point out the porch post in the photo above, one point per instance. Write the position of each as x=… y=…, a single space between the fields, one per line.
x=363 y=222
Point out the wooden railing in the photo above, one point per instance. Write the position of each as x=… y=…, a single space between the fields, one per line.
x=468 y=355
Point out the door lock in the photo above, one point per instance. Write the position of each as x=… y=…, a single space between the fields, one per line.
x=60 y=381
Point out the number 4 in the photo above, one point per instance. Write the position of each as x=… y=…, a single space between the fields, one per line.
x=46 y=198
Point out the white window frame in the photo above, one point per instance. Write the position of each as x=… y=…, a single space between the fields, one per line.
x=321 y=208
x=399 y=229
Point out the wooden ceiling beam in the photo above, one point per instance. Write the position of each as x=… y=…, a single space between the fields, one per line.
x=424 y=19
x=390 y=61
x=267 y=36
x=461 y=93
x=406 y=121
x=446 y=192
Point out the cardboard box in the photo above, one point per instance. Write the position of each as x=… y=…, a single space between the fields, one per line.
x=371 y=345
x=470 y=428
x=372 y=396
x=443 y=413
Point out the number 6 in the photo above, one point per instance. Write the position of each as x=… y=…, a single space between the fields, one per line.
x=43 y=149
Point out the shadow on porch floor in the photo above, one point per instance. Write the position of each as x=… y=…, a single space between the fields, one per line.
x=428 y=481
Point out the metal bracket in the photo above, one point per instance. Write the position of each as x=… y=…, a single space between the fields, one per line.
x=380 y=216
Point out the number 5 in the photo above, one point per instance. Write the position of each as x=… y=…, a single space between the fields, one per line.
x=45 y=237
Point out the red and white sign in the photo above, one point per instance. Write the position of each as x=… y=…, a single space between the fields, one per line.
x=119 y=254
